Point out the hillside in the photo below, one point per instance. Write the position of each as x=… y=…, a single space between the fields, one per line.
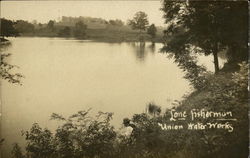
x=94 y=29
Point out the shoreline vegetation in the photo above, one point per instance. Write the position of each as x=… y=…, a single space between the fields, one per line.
x=86 y=28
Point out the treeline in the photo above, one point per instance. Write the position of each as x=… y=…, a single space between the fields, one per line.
x=76 y=27
x=21 y=27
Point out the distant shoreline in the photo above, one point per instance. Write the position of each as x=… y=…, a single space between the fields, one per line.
x=102 y=39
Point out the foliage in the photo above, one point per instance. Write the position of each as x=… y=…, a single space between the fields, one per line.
x=17 y=151
x=209 y=26
x=147 y=139
x=152 y=30
x=90 y=21
x=5 y=70
x=139 y=22
x=79 y=136
x=97 y=29
x=39 y=142
x=196 y=74
x=51 y=24
x=80 y=30
x=7 y=28
x=24 y=27
x=65 y=32
x=241 y=80
x=223 y=92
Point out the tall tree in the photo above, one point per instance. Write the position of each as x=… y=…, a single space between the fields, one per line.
x=152 y=31
x=51 y=24
x=139 y=22
x=209 y=26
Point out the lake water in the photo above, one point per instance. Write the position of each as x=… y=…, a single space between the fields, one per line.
x=65 y=76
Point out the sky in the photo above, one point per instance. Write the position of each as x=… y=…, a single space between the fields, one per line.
x=43 y=11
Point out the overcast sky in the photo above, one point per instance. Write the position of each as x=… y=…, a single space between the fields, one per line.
x=43 y=11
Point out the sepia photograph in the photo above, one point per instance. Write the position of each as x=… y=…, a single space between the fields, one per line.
x=124 y=79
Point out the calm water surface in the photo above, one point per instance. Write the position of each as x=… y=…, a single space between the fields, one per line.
x=65 y=76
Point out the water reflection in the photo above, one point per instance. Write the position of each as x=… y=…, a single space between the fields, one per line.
x=152 y=47
x=142 y=49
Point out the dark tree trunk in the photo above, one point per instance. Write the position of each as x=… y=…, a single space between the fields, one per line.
x=216 y=61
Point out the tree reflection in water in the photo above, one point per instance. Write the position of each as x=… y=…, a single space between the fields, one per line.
x=141 y=50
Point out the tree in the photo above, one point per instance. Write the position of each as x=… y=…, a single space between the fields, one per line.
x=65 y=32
x=40 y=142
x=80 y=30
x=83 y=136
x=24 y=26
x=51 y=24
x=139 y=22
x=152 y=31
x=7 y=28
x=208 y=26
x=17 y=151
x=5 y=69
